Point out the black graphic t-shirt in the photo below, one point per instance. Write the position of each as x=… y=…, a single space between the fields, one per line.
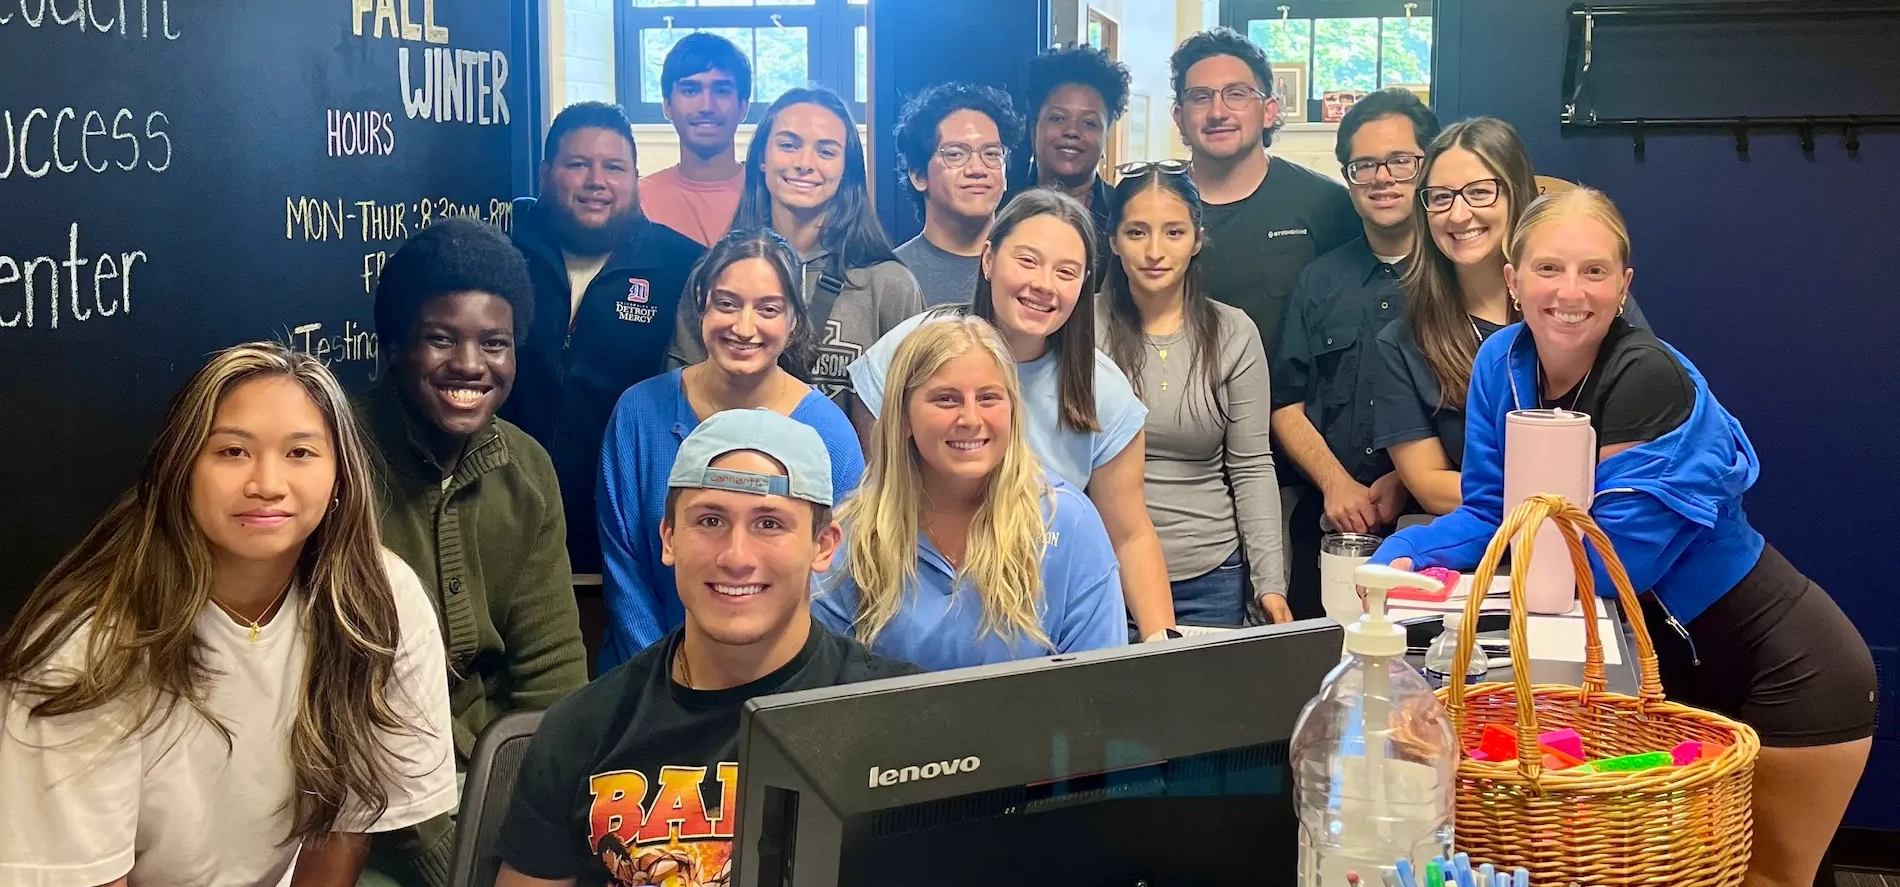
x=634 y=779
x=1258 y=245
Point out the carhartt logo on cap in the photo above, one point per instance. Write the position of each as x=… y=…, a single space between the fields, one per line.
x=746 y=482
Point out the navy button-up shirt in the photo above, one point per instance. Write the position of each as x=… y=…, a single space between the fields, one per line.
x=1323 y=355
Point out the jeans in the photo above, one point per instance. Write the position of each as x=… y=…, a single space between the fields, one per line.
x=1216 y=597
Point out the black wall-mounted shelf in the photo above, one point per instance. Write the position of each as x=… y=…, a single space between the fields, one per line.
x=1589 y=24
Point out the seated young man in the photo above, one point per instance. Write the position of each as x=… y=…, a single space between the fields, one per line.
x=468 y=500
x=633 y=780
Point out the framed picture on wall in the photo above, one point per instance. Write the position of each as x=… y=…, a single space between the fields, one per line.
x=1289 y=86
x=1136 y=130
x=1335 y=104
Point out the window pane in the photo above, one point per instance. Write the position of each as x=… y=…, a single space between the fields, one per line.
x=1285 y=41
x=780 y=62
x=1345 y=55
x=863 y=66
x=1405 y=52
x=725 y=2
x=858 y=2
x=655 y=43
x=644 y=4
x=771 y=3
x=1095 y=34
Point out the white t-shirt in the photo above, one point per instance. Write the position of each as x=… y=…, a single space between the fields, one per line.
x=581 y=271
x=174 y=806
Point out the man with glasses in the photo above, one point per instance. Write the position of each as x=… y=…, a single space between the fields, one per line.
x=951 y=150
x=1266 y=218
x=1324 y=356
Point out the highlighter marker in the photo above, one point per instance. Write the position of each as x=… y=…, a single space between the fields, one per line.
x=1461 y=870
x=1433 y=876
x=1521 y=878
x=1406 y=875
x=1487 y=876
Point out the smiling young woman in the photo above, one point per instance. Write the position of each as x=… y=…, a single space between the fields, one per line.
x=806 y=180
x=757 y=336
x=1082 y=419
x=960 y=548
x=1210 y=483
x=228 y=679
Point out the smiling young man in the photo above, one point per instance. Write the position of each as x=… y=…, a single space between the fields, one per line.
x=607 y=284
x=707 y=86
x=952 y=149
x=467 y=500
x=634 y=780
x=1325 y=357
x=1266 y=218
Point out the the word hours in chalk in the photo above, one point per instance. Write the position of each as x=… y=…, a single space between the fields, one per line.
x=396 y=15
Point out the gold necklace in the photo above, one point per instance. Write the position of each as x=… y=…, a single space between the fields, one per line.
x=257 y=624
x=685 y=670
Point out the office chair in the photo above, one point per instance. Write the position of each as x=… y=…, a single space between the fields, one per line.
x=475 y=860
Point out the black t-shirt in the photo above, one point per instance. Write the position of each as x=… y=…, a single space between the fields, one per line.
x=638 y=770
x=1257 y=246
x=1406 y=393
x=1635 y=391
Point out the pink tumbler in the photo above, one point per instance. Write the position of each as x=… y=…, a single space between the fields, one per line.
x=1549 y=451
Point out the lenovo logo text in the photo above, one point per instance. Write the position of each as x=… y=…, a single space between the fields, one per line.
x=932 y=770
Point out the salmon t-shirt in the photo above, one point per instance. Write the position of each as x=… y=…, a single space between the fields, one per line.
x=700 y=210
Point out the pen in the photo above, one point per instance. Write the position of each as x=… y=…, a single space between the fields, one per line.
x=1487 y=876
x=1521 y=878
x=1405 y=874
x=1461 y=869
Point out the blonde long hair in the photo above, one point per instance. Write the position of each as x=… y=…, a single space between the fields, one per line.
x=143 y=574
x=1007 y=536
x=1558 y=205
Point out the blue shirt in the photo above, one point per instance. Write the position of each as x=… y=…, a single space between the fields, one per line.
x=637 y=454
x=1072 y=455
x=939 y=624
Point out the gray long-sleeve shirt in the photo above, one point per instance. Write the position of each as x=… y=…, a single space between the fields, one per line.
x=1210 y=481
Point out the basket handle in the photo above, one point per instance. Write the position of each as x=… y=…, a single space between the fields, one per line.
x=1574 y=524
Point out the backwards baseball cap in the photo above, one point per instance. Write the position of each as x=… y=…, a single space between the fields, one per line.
x=789 y=442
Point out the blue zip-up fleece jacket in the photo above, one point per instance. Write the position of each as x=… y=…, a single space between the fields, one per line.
x=1672 y=507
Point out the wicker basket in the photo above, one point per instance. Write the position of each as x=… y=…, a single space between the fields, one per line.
x=1668 y=826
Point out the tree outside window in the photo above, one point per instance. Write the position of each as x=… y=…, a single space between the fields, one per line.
x=790 y=43
x=1346 y=45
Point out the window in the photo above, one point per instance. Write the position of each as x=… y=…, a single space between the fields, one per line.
x=1343 y=45
x=791 y=43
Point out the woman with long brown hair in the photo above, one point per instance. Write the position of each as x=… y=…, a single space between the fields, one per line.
x=1475 y=180
x=228 y=681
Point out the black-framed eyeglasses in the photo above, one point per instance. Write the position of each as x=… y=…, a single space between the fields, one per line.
x=1402 y=168
x=956 y=155
x=1234 y=95
x=1144 y=167
x=1477 y=195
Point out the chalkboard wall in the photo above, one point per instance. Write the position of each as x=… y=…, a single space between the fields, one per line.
x=177 y=176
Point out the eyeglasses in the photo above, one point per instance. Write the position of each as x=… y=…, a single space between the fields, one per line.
x=1402 y=168
x=1478 y=194
x=1234 y=95
x=1144 y=167
x=957 y=156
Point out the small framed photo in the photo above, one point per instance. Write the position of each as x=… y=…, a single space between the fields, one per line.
x=1334 y=105
x=1289 y=86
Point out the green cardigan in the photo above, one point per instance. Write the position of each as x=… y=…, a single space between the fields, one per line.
x=491 y=546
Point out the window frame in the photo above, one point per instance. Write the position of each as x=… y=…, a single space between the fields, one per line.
x=1236 y=14
x=830 y=47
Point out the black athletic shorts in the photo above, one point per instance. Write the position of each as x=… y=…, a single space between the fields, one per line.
x=1775 y=653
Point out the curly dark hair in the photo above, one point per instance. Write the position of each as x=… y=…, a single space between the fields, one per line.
x=1086 y=65
x=1213 y=42
x=917 y=125
x=450 y=256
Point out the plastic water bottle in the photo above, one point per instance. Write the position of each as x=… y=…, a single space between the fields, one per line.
x=1441 y=658
x=1373 y=753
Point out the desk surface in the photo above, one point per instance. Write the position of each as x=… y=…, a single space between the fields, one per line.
x=1620 y=675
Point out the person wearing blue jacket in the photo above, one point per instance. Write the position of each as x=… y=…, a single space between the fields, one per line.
x=960 y=548
x=1747 y=634
x=758 y=340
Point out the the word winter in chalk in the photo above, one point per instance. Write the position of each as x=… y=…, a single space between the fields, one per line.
x=461 y=85
x=130 y=18
x=395 y=16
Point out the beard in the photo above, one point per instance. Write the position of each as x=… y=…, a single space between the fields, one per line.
x=582 y=239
